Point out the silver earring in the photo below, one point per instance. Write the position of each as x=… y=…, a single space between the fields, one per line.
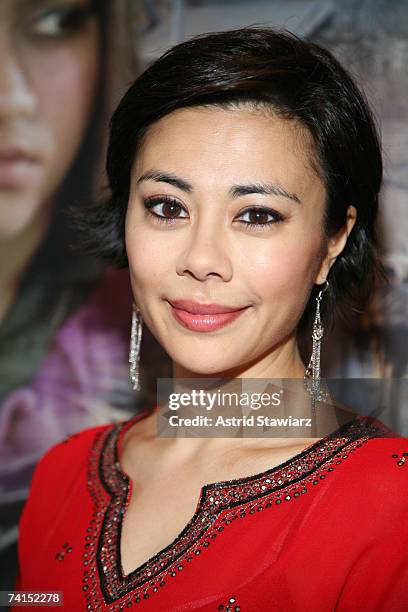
x=312 y=373
x=134 y=352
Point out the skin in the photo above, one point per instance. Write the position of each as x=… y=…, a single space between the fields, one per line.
x=50 y=54
x=206 y=254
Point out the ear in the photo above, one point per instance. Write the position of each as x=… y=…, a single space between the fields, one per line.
x=335 y=245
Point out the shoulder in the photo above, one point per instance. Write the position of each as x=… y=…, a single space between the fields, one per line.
x=61 y=478
x=55 y=477
x=384 y=448
x=385 y=463
x=67 y=461
x=376 y=477
x=60 y=466
x=70 y=454
x=373 y=506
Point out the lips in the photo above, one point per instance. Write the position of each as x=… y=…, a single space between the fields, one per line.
x=17 y=167
x=204 y=317
x=203 y=309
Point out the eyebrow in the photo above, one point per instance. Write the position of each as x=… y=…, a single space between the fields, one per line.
x=235 y=191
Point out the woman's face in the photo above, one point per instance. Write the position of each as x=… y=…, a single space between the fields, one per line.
x=226 y=208
x=49 y=74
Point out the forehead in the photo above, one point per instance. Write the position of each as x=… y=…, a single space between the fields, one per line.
x=222 y=144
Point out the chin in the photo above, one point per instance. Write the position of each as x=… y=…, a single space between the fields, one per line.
x=208 y=367
x=202 y=370
x=17 y=212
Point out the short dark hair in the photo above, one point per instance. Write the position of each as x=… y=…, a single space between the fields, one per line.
x=298 y=80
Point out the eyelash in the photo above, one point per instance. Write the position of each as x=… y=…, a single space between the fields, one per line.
x=149 y=203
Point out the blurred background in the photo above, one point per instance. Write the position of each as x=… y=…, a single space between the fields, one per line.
x=65 y=318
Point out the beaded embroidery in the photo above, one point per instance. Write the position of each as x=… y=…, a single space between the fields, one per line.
x=231 y=606
x=66 y=549
x=219 y=504
x=401 y=460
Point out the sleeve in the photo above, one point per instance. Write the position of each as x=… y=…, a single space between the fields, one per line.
x=378 y=578
x=53 y=478
x=32 y=515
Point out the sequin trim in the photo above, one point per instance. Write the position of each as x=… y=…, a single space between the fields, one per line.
x=66 y=549
x=231 y=606
x=219 y=504
x=401 y=459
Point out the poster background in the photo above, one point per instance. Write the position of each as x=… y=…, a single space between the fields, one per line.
x=371 y=38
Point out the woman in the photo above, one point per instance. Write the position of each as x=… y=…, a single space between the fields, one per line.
x=244 y=169
x=63 y=66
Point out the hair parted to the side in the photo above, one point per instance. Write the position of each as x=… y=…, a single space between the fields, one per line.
x=293 y=78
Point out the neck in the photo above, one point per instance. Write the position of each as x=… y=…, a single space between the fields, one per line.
x=278 y=373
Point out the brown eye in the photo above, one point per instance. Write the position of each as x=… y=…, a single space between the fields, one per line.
x=171 y=209
x=165 y=209
x=257 y=216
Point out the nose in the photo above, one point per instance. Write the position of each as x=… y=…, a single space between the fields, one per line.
x=206 y=255
x=17 y=97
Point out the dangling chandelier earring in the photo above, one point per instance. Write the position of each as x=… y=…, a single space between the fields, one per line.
x=134 y=352
x=312 y=373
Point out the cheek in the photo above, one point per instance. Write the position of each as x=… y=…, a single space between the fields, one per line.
x=150 y=259
x=282 y=271
x=66 y=83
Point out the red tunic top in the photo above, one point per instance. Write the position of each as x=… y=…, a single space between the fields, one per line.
x=326 y=530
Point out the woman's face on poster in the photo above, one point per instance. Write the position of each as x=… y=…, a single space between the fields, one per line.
x=50 y=62
x=226 y=207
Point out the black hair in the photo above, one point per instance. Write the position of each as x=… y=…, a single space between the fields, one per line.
x=298 y=80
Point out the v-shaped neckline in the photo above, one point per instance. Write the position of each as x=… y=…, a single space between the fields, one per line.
x=214 y=498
